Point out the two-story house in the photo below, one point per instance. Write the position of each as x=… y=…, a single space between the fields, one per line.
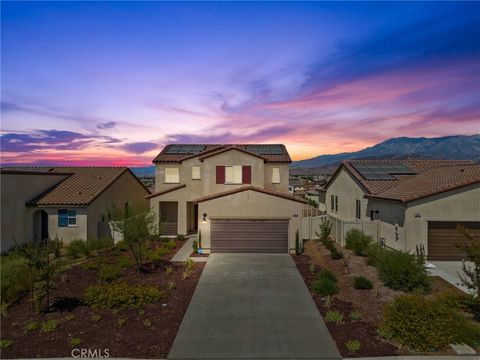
x=236 y=196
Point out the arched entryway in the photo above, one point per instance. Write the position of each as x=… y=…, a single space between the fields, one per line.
x=40 y=225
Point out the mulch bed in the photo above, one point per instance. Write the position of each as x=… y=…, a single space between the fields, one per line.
x=363 y=331
x=195 y=254
x=134 y=338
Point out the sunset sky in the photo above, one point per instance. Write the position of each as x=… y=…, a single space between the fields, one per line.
x=112 y=83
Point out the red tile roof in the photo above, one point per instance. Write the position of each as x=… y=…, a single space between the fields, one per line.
x=253 y=188
x=432 y=176
x=181 y=186
x=213 y=148
x=81 y=186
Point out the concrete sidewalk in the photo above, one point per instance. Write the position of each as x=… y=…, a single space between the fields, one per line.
x=186 y=250
x=448 y=271
x=252 y=306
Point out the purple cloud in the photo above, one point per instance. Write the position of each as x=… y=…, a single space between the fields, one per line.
x=140 y=147
x=107 y=125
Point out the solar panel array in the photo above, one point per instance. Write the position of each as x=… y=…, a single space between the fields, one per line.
x=265 y=149
x=184 y=149
x=372 y=171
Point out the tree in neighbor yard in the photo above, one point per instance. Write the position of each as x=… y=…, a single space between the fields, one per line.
x=136 y=223
x=470 y=275
x=325 y=230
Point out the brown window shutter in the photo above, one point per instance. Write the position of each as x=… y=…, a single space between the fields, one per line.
x=220 y=174
x=246 y=174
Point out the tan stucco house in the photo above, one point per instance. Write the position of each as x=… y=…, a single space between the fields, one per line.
x=62 y=202
x=236 y=196
x=414 y=202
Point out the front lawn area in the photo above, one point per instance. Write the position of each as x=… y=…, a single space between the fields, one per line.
x=352 y=299
x=142 y=324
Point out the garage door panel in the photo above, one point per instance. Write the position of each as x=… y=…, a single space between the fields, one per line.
x=252 y=236
x=443 y=238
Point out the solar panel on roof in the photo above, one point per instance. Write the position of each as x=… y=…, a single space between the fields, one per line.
x=265 y=149
x=371 y=171
x=184 y=149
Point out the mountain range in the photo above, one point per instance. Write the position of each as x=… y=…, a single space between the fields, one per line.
x=458 y=147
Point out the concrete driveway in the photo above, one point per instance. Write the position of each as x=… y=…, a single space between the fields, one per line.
x=449 y=270
x=251 y=306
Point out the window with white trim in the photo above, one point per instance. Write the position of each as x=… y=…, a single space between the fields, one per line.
x=275 y=175
x=358 y=209
x=196 y=175
x=332 y=202
x=67 y=218
x=233 y=174
x=336 y=203
x=172 y=176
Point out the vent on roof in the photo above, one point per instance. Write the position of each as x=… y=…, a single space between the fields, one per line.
x=184 y=149
x=265 y=149
x=371 y=171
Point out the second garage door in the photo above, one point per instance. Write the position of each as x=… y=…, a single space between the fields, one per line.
x=443 y=238
x=249 y=236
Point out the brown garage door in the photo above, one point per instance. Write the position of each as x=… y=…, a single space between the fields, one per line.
x=443 y=236
x=248 y=236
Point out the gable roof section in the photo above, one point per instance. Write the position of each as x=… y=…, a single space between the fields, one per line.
x=252 y=188
x=430 y=182
x=210 y=149
x=158 y=193
x=82 y=186
x=230 y=148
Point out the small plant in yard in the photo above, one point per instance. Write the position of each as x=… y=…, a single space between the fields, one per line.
x=326 y=284
x=55 y=246
x=355 y=315
x=4 y=343
x=49 y=325
x=195 y=246
x=121 y=246
x=185 y=274
x=181 y=237
x=121 y=321
x=311 y=268
x=124 y=261
x=353 y=345
x=95 y=317
x=372 y=253
x=78 y=248
x=156 y=255
x=120 y=295
x=424 y=324
x=141 y=312
x=147 y=323
x=170 y=244
x=74 y=341
x=357 y=241
x=171 y=285
x=33 y=325
x=336 y=254
x=325 y=230
x=189 y=264
x=362 y=283
x=69 y=317
x=169 y=270
x=328 y=302
x=109 y=273
x=90 y=265
x=327 y=274
x=334 y=316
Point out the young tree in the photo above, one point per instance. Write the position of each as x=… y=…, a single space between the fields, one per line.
x=136 y=224
x=470 y=275
x=325 y=230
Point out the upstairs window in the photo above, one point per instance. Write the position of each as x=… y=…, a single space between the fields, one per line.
x=358 y=209
x=334 y=203
x=233 y=174
x=172 y=176
x=67 y=218
x=275 y=175
x=196 y=173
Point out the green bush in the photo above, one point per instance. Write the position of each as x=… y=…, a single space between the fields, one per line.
x=77 y=248
x=14 y=276
x=33 y=325
x=362 y=283
x=353 y=345
x=54 y=247
x=336 y=255
x=181 y=237
x=4 y=343
x=327 y=275
x=373 y=252
x=155 y=255
x=400 y=271
x=334 y=316
x=195 y=246
x=357 y=241
x=120 y=296
x=325 y=287
x=426 y=324
x=49 y=325
x=100 y=243
x=170 y=244
x=109 y=273
x=90 y=265
x=124 y=261
x=122 y=246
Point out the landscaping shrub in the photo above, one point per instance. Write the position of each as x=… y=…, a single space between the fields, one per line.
x=195 y=246
x=355 y=315
x=325 y=230
x=325 y=287
x=122 y=246
x=33 y=325
x=373 y=252
x=4 y=343
x=353 y=345
x=124 y=261
x=120 y=295
x=181 y=237
x=170 y=244
x=49 y=325
x=54 y=247
x=362 y=283
x=100 y=243
x=109 y=273
x=400 y=271
x=155 y=255
x=336 y=255
x=357 y=241
x=15 y=277
x=334 y=316
x=327 y=275
x=426 y=324
x=77 y=248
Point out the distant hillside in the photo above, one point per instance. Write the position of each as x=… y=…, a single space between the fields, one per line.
x=144 y=171
x=459 y=147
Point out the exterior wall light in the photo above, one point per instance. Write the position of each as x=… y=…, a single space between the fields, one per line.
x=204 y=218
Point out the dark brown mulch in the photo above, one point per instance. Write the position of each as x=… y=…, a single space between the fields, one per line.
x=134 y=338
x=365 y=333
x=195 y=254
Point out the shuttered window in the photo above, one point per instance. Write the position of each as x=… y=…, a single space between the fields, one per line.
x=220 y=174
x=275 y=175
x=195 y=172
x=246 y=174
x=358 y=209
x=233 y=174
x=172 y=176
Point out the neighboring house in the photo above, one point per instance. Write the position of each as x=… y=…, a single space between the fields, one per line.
x=236 y=196
x=295 y=185
x=317 y=195
x=415 y=202
x=62 y=202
